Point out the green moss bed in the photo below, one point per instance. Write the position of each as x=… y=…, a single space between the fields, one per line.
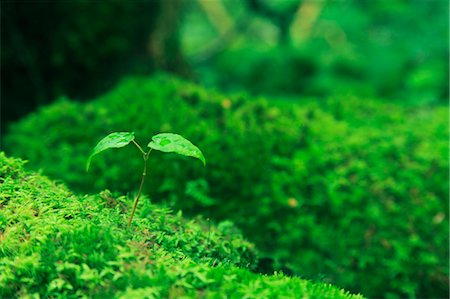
x=58 y=244
x=348 y=191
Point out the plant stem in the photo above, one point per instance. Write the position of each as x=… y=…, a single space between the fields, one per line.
x=144 y=173
x=209 y=233
x=140 y=148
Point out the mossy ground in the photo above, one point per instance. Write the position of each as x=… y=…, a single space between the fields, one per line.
x=349 y=190
x=57 y=244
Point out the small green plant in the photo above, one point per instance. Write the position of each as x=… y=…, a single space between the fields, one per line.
x=164 y=142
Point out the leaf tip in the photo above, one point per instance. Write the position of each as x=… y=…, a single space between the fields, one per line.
x=88 y=163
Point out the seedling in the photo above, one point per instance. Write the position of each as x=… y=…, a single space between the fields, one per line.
x=164 y=142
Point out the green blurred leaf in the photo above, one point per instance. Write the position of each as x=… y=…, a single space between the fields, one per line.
x=168 y=142
x=113 y=140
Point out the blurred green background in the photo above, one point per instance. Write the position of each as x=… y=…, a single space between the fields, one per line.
x=324 y=123
x=396 y=50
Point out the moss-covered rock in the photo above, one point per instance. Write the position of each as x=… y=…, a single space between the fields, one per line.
x=352 y=191
x=57 y=244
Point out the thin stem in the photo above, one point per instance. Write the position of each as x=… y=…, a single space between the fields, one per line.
x=140 y=148
x=209 y=233
x=144 y=173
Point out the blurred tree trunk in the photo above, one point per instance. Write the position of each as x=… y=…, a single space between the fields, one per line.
x=164 y=44
x=282 y=19
x=305 y=18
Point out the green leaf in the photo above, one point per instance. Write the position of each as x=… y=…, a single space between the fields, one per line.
x=168 y=142
x=113 y=140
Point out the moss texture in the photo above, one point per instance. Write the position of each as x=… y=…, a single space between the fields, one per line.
x=352 y=191
x=57 y=244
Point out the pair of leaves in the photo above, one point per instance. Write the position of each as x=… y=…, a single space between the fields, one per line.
x=165 y=142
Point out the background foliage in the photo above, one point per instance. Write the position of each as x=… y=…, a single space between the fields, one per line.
x=397 y=50
x=80 y=48
x=386 y=49
x=344 y=191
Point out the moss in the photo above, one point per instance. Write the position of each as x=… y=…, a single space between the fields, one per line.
x=346 y=185
x=59 y=244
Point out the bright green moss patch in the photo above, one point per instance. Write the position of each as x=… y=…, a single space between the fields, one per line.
x=57 y=244
x=351 y=191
